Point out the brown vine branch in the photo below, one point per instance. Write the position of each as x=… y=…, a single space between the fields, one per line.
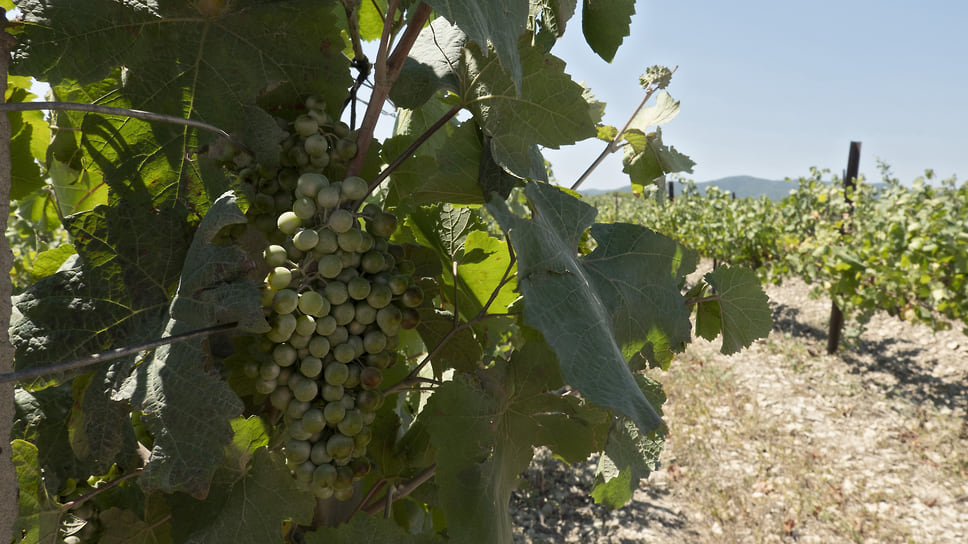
x=387 y=69
x=97 y=358
x=110 y=110
x=402 y=491
x=97 y=491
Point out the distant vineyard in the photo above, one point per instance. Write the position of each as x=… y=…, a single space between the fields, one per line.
x=904 y=249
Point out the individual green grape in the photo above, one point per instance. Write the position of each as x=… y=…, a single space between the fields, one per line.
x=305 y=325
x=379 y=296
x=313 y=303
x=305 y=126
x=380 y=360
x=269 y=370
x=348 y=402
x=329 y=266
x=382 y=225
x=351 y=424
x=313 y=421
x=275 y=256
x=285 y=301
x=332 y=393
x=358 y=288
x=367 y=241
x=360 y=466
x=284 y=355
x=369 y=400
x=304 y=472
x=297 y=451
x=340 y=220
x=364 y=438
x=412 y=297
x=354 y=188
x=303 y=389
x=251 y=369
x=318 y=347
x=347 y=274
x=280 y=398
x=345 y=148
x=319 y=455
x=372 y=262
x=398 y=284
x=339 y=446
x=334 y=412
x=305 y=240
x=343 y=313
x=311 y=366
x=288 y=222
x=355 y=328
x=309 y=183
x=350 y=240
x=374 y=342
x=336 y=293
x=316 y=145
x=265 y=387
x=300 y=341
x=370 y=377
x=353 y=379
x=304 y=208
x=336 y=372
x=325 y=474
x=328 y=242
x=296 y=408
x=326 y=325
x=410 y=319
x=279 y=278
x=350 y=259
x=365 y=314
x=325 y=492
x=389 y=318
x=328 y=197
x=283 y=325
x=338 y=336
x=343 y=353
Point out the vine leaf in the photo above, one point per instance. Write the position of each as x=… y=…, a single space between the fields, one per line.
x=605 y=24
x=647 y=159
x=664 y=110
x=600 y=309
x=39 y=514
x=484 y=427
x=369 y=530
x=629 y=455
x=247 y=505
x=739 y=309
x=186 y=407
x=550 y=110
x=29 y=134
x=497 y=23
x=122 y=526
x=429 y=66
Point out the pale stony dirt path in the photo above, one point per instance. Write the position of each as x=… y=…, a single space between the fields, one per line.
x=782 y=443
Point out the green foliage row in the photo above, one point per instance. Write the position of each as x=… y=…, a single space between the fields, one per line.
x=898 y=248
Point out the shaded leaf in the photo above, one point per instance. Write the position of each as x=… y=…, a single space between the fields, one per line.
x=362 y=529
x=602 y=308
x=743 y=306
x=122 y=526
x=39 y=514
x=605 y=24
x=430 y=65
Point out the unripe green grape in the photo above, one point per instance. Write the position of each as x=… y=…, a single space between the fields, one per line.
x=295 y=254
x=357 y=342
x=336 y=372
x=280 y=398
x=319 y=161
x=283 y=325
x=393 y=341
x=365 y=314
x=339 y=446
x=311 y=366
x=305 y=126
x=305 y=240
x=267 y=295
x=354 y=188
x=282 y=202
x=316 y=145
x=370 y=377
x=304 y=389
x=341 y=220
x=347 y=274
x=360 y=465
x=351 y=424
x=304 y=472
x=283 y=355
x=343 y=494
x=265 y=387
x=364 y=438
x=312 y=303
x=264 y=204
x=350 y=240
x=328 y=197
x=353 y=379
x=328 y=242
x=350 y=259
x=269 y=370
x=319 y=455
x=275 y=256
x=296 y=408
x=329 y=266
x=372 y=262
x=305 y=325
x=406 y=267
x=288 y=222
x=285 y=301
x=297 y=451
x=343 y=353
x=286 y=181
x=334 y=412
x=313 y=421
x=332 y=393
x=374 y=342
x=345 y=148
x=382 y=225
x=410 y=319
x=358 y=288
x=343 y=313
x=309 y=183
x=338 y=336
x=324 y=475
x=355 y=328
x=336 y=293
x=369 y=400
x=299 y=341
x=318 y=347
x=325 y=326
x=348 y=402
x=398 y=284
x=389 y=319
x=279 y=278
x=323 y=492
x=368 y=417
x=412 y=297
x=304 y=208
x=379 y=296
x=378 y=360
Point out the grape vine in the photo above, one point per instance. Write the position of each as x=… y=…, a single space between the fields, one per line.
x=315 y=335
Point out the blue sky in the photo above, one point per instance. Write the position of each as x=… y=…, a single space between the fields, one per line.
x=770 y=89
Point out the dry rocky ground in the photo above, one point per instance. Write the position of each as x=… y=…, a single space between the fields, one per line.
x=783 y=443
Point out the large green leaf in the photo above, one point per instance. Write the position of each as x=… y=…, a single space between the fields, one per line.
x=29 y=134
x=738 y=308
x=485 y=426
x=42 y=418
x=496 y=23
x=550 y=110
x=646 y=159
x=204 y=60
x=605 y=24
x=430 y=65
x=39 y=515
x=602 y=308
x=121 y=526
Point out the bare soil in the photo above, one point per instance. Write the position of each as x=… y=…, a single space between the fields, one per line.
x=783 y=443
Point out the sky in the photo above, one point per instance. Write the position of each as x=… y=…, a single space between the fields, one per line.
x=770 y=89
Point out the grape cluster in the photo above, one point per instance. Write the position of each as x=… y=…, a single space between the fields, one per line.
x=337 y=294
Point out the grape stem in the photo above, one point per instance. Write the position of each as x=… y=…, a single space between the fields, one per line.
x=97 y=358
x=401 y=491
x=615 y=144
x=97 y=491
x=386 y=70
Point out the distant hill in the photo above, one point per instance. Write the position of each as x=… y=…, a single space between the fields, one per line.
x=745 y=186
